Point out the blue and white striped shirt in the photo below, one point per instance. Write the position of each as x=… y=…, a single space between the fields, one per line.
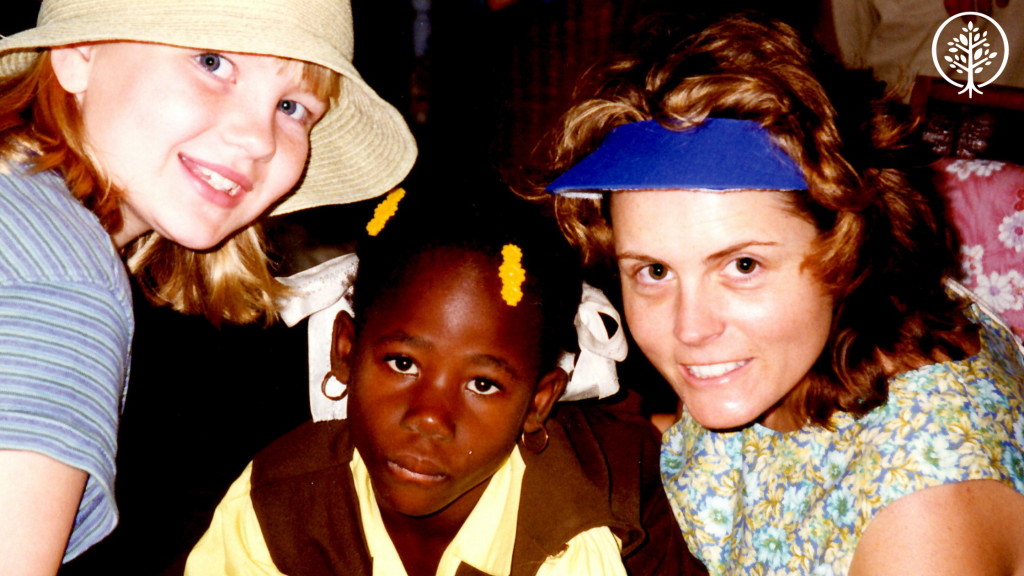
x=65 y=332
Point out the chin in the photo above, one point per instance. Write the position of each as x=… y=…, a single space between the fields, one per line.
x=725 y=425
x=412 y=507
x=196 y=240
x=716 y=419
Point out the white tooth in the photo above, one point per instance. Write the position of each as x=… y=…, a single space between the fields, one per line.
x=714 y=370
x=219 y=182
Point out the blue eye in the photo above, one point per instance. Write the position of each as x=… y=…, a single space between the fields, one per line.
x=216 y=64
x=483 y=387
x=293 y=109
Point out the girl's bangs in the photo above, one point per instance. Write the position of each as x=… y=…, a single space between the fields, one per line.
x=323 y=82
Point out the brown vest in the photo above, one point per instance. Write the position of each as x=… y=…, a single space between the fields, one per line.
x=598 y=470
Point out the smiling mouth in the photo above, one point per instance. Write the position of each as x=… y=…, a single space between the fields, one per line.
x=713 y=370
x=214 y=178
x=218 y=182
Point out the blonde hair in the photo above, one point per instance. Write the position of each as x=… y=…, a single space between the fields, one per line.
x=40 y=126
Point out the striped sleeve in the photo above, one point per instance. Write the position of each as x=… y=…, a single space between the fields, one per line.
x=65 y=331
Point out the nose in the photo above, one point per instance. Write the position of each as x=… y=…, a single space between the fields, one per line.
x=698 y=319
x=251 y=127
x=430 y=411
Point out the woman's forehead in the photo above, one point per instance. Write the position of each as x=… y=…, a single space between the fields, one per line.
x=687 y=220
x=669 y=205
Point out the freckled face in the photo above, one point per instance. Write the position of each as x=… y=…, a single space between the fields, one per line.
x=202 y=143
x=716 y=296
x=444 y=376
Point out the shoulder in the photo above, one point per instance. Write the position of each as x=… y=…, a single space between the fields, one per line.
x=595 y=551
x=311 y=448
x=626 y=444
x=601 y=470
x=614 y=430
x=968 y=528
x=234 y=542
x=947 y=455
x=48 y=235
x=305 y=501
x=66 y=304
x=616 y=448
x=572 y=484
x=1002 y=350
x=952 y=421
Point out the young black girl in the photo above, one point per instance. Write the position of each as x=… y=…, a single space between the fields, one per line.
x=449 y=463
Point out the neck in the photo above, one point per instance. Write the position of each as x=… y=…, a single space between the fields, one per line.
x=421 y=541
x=131 y=227
x=785 y=416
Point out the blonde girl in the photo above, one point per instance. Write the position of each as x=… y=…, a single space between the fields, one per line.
x=152 y=133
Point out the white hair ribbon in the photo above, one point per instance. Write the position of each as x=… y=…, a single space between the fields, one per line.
x=592 y=374
x=320 y=293
x=324 y=290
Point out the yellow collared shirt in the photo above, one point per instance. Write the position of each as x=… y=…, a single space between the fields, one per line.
x=234 y=544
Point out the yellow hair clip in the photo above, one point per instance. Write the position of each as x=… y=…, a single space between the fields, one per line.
x=384 y=211
x=512 y=274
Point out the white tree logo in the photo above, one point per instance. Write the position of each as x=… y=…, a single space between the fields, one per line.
x=969 y=53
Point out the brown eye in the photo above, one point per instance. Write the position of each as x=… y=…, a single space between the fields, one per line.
x=402 y=365
x=653 y=274
x=746 y=265
x=483 y=387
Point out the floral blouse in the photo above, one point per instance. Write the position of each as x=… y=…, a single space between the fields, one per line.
x=756 y=501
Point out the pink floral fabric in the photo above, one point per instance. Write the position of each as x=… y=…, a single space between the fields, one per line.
x=987 y=203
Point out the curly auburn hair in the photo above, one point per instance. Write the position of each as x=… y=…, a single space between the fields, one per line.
x=40 y=126
x=883 y=247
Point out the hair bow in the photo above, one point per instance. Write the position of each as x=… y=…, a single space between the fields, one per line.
x=324 y=290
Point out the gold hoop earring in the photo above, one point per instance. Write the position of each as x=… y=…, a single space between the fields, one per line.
x=323 y=388
x=530 y=445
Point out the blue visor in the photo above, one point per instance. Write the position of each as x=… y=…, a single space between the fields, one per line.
x=719 y=154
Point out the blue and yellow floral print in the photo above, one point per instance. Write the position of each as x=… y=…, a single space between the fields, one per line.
x=756 y=501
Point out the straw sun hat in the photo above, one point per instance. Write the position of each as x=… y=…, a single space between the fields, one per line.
x=361 y=148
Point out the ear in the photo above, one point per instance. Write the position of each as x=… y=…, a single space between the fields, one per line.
x=549 y=390
x=342 y=346
x=71 y=66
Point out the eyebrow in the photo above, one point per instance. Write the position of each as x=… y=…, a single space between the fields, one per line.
x=402 y=337
x=628 y=255
x=736 y=248
x=494 y=362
